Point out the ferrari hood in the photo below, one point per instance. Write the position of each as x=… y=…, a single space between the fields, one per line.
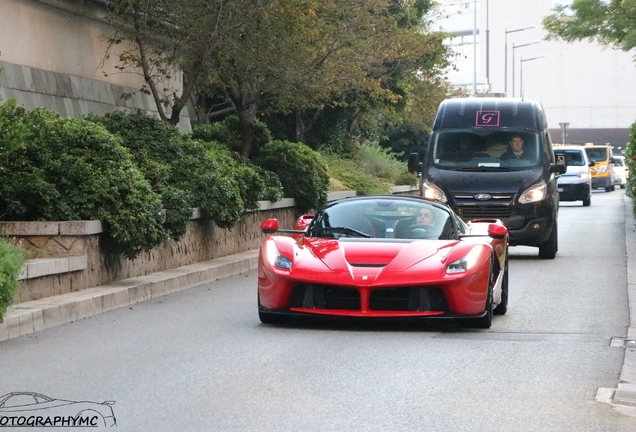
x=349 y=254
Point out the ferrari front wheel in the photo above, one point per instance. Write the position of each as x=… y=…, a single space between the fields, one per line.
x=485 y=321
x=502 y=307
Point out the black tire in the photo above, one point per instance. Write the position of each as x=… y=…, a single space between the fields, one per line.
x=502 y=307
x=484 y=322
x=549 y=249
x=587 y=201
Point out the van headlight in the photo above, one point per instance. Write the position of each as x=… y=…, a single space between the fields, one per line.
x=534 y=193
x=602 y=169
x=433 y=192
x=584 y=175
x=275 y=258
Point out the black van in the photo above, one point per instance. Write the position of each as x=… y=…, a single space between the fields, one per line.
x=492 y=158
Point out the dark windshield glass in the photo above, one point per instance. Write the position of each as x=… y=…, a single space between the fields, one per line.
x=480 y=149
x=574 y=157
x=383 y=219
x=597 y=154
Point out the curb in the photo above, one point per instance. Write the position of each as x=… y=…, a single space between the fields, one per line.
x=623 y=398
x=29 y=317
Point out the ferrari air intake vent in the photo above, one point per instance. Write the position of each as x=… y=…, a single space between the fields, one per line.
x=314 y=296
x=408 y=299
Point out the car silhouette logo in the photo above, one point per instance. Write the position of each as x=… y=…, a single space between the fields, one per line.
x=483 y=197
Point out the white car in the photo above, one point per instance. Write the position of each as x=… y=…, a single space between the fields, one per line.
x=576 y=183
x=620 y=171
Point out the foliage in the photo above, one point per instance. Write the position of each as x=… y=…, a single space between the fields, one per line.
x=12 y=129
x=610 y=23
x=164 y=39
x=70 y=169
x=181 y=170
x=11 y=262
x=630 y=161
x=256 y=183
x=302 y=172
x=370 y=170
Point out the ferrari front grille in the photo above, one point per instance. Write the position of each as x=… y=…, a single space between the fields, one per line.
x=469 y=212
x=394 y=299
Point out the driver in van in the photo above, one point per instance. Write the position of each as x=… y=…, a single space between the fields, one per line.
x=515 y=149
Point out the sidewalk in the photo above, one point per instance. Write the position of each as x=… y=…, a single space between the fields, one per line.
x=29 y=317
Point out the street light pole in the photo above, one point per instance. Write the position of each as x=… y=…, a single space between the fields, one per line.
x=513 y=62
x=521 y=72
x=506 y=31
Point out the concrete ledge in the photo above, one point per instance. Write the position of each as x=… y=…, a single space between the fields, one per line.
x=54 y=265
x=26 y=318
x=50 y=228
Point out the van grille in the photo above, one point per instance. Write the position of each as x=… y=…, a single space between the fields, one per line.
x=478 y=212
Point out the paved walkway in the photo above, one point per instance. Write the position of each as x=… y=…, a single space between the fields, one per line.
x=29 y=317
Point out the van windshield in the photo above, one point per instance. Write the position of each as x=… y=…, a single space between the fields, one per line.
x=597 y=154
x=478 y=149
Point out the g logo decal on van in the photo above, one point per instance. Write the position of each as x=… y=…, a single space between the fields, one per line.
x=487 y=118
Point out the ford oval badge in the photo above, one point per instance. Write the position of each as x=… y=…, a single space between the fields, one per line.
x=483 y=197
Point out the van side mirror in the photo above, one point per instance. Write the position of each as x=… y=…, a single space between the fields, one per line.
x=592 y=163
x=414 y=165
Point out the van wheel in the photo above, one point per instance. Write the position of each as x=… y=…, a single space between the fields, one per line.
x=549 y=249
x=587 y=201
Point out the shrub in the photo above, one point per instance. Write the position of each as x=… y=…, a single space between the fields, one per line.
x=630 y=161
x=227 y=132
x=349 y=174
x=70 y=169
x=182 y=170
x=302 y=172
x=11 y=262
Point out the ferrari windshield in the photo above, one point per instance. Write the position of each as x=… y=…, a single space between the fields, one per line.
x=480 y=149
x=385 y=218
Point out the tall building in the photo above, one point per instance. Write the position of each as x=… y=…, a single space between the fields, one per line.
x=588 y=87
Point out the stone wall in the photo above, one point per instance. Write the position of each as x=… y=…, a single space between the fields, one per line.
x=69 y=256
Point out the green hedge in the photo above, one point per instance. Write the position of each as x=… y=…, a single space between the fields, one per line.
x=302 y=172
x=70 y=169
x=11 y=262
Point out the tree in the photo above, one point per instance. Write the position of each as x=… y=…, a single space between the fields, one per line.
x=611 y=23
x=171 y=43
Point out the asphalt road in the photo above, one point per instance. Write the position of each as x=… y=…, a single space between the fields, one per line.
x=199 y=360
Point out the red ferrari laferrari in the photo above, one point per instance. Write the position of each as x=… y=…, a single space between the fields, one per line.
x=384 y=256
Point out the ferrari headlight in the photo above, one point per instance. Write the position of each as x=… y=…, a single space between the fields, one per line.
x=275 y=258
x=463 y=264
x=433 y=192
x=534 y=193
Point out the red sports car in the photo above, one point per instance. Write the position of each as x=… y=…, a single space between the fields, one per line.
x=384 y=256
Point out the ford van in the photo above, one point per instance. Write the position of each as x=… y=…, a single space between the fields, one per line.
x=492 y=158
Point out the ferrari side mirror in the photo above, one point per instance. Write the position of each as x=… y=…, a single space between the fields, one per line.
x=497 y=231
x=269 y=226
